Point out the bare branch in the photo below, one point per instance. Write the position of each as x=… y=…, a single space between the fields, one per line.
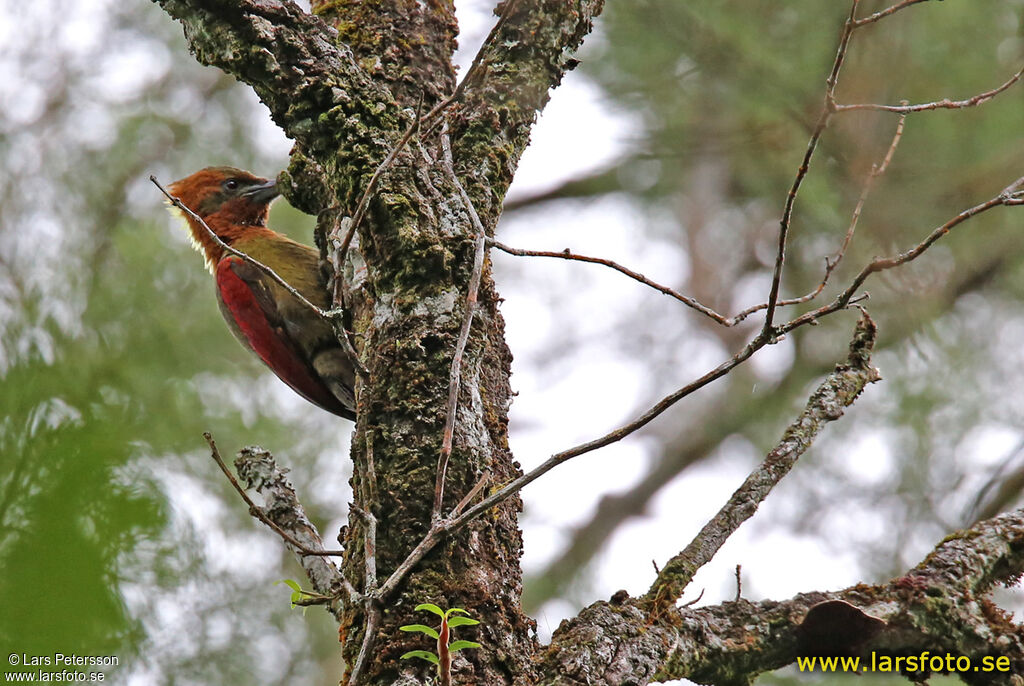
x=876 y=171
x=373 y=617
x=885 y=13
x=257 y=512
x=434 y=536
x=369 y=549
x=944 y=104
x=471 y=494
x=618 y=434
x=257 y=468
x=1009 y=196
x=455 y=375
x=370 y=535
x=787 y=213
x=838 y=391
x=832 y=262
x=636 y=276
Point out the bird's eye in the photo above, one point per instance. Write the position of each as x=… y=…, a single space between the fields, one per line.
x=231 y=185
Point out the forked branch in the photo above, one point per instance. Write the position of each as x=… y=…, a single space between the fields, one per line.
x=838 y=391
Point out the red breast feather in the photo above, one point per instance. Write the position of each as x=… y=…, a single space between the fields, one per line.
x=247 y=314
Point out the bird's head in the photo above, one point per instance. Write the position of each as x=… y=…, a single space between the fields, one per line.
x=229 y=200
x=229 y=193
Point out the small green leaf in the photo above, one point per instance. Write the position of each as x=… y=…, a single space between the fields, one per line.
x=430 y=607
x=459 y=645
x=297 y=591
x=455 y=609
x=422 y=628
x=461 y=621
x=423 y=655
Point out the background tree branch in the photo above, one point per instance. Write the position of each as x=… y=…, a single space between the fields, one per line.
x=837 y=392
x=941 y=605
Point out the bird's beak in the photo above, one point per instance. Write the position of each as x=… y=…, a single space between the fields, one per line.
x=263 y=192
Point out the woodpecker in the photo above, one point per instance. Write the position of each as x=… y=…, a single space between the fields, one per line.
x=298 y=345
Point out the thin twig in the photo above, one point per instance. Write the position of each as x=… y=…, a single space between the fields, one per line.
x=739 y=583
x=876 y=171
x=691 y=603
x=836 y=392
x=370 y=496
x=433 y=536
x=364 y=199
x=787 y=213
x=455 y=375
x=369 y=549
x=255 y=511
x=832 y=262
x=944 y=104
x=1008 y=197
x=334 y=236
x=347 y=340
x=636 y=276
x=366 y=512
x=618 y=434
x=345 y=336
x=885 y=13
x=472 y=493
x=373 y=616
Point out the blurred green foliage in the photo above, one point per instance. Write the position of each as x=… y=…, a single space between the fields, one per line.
x=117 y=536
